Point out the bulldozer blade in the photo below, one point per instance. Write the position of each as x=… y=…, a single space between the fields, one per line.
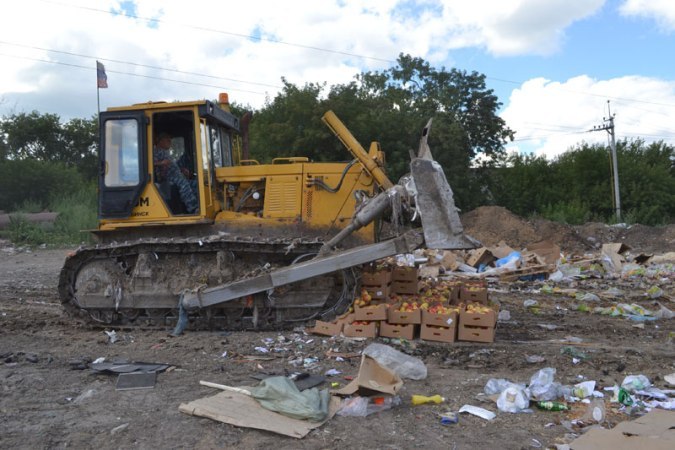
x=435 y=202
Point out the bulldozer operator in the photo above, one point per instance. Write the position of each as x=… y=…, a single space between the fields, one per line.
x=167 y=170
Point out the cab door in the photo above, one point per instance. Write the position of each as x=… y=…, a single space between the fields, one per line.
x=123 y=170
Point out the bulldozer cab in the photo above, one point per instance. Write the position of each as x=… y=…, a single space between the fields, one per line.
x=158 y=162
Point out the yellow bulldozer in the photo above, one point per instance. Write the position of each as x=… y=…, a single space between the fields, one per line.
x=193 y=232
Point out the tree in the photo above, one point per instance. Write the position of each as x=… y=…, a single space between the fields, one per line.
x=392 y=107
x=42 y=137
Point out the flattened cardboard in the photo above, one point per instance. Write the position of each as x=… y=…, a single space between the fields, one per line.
x=653 y=431
x=614 y=252
x=501 y=250
x=243 y=411
x=547 y=251
x=372 y=378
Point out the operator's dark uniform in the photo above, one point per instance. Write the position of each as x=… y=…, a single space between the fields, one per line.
x=173 y=174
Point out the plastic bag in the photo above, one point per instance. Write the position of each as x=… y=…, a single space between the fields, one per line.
x=513 y=399
x=542 y=387
x=498 y=385
x=510 y=261
x=365 y=406
x=281 y=395
x=405 y=366
x=634 y=383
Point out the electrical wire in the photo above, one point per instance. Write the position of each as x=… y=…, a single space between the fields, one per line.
x=132 y=74
x=130 y=63
x=213 y=30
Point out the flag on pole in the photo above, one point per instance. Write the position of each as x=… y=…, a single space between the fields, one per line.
x=101 y=77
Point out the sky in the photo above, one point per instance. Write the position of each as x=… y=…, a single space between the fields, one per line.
x=559 y=67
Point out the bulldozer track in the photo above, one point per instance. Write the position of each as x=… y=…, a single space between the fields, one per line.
x=107 y=297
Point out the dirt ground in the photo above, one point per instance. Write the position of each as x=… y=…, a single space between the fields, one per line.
x=46 y=403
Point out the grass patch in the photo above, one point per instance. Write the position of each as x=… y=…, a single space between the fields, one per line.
x=77 y=212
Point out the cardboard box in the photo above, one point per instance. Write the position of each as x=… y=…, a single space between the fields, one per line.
x=345 y=318
x=378 y=278
x=371 y=312
x=391 y=330
x=368 y=330
x=548 y=252
x=379 y=292
x=477 y=327
x=403 y=317
x=440 y=320
x=501 y=250
x=480 y=256
x=470 y=295
x=488 y=319
x=401 y=273
x=405 y=287
x=327 y=328
x=438 y=334
x=372 y=378
x=475 y=334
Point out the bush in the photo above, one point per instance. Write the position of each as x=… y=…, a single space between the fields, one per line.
x=76 y=214
x=35 y=183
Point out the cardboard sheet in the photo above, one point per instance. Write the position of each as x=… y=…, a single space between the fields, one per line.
x=372 y=378
x=243 y=411
x=653 y=431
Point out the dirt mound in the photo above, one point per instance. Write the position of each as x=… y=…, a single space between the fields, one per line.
x=491 y=224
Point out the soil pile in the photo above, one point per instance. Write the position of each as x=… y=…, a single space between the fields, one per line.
x=491 y=224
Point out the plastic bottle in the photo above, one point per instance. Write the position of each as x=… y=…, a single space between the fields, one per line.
x=552 y=406
x=423 y=399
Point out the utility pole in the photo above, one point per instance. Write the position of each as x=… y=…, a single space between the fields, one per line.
x=609 y=127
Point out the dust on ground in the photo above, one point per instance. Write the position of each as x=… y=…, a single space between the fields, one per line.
x=45 y=403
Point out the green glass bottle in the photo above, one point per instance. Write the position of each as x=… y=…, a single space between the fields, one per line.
x=552 y=406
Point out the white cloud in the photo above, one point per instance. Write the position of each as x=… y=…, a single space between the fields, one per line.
x=662 y=11
x=180 y=39
x=550 y=117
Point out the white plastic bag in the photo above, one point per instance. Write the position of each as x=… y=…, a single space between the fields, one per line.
x=405 y=366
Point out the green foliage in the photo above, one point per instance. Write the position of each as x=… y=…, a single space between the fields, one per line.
x=34 y=181
x=21 y=231
x=391 y=107
x=76 y=214
x=42 y=137
x=577 y=186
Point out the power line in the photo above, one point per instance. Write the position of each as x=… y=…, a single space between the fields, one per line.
x=136 y=64
x=133 y=74
x=213 y=30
